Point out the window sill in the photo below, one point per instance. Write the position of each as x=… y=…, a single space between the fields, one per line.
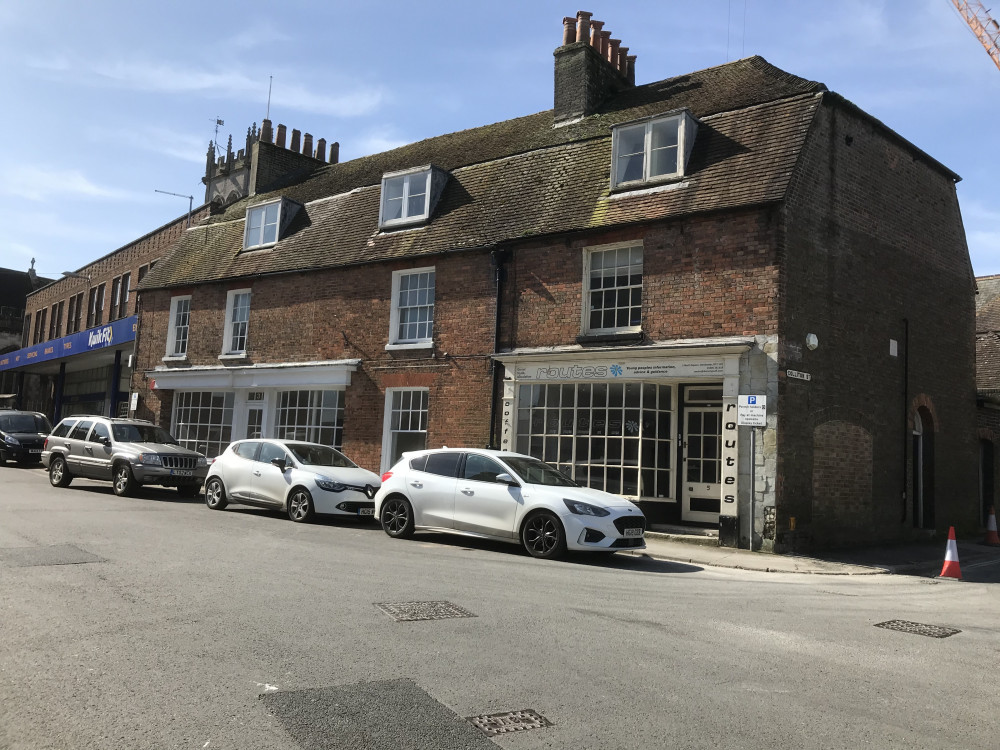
x=234 y=356
x=403 y=224
x=176 y=359
x=661 y=183
x=624 y=337
x=416 y=345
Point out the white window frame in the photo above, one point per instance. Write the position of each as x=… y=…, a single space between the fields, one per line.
x=172 y=327
x=589 y=254
x=395 y=341
x=200 y=432
x=227 y=334
x=408 y=177
x=685 y=130
x=258 y=242
x=387 y=431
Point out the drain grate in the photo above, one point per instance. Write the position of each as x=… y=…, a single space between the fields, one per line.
x=512 y=721
x=904 y=626
x=410 y=611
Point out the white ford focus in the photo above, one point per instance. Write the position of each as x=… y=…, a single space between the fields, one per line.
x=506 y=496
x=297 y=477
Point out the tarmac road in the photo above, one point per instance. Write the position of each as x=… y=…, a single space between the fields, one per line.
x=152 y=622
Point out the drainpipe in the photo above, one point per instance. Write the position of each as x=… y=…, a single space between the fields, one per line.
x=497 y=260
x=906 y=408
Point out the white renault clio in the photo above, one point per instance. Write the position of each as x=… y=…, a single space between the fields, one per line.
x=291 y=475
x=506 y=496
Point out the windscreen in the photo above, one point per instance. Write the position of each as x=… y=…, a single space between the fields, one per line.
x=533 y=471
x=24 y=423
x=319 y=455
x=141 y=433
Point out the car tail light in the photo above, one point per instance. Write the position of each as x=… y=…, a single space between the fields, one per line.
x=45 y=445
x=386 y=475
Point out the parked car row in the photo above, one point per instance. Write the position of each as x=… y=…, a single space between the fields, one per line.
x=473 y=492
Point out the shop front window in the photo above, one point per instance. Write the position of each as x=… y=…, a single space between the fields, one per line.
x=312 y=416
x=615 y=436
x=203 y=420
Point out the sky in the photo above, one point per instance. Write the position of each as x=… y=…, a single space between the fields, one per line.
x=106 y=102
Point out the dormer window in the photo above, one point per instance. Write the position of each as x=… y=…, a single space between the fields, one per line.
x=409 y=197
x=653 y=150
x=262 y=225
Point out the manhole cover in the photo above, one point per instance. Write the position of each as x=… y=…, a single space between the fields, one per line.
x=407 y=611
x=513 y=721
x=55 y=554
x=904 y=626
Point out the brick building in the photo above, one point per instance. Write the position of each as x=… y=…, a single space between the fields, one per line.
x=15 y=286
x=988 y=387
x=79 y=331
x=597 y=285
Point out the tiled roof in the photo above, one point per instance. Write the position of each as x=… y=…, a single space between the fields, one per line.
x=523 y=178
x=988 y=361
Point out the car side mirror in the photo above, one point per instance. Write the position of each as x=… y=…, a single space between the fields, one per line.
x=508 y=480
x=280 y=463
x=105 y=441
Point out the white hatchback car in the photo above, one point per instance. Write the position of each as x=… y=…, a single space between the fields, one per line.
x=297 y=477
x=506 y=496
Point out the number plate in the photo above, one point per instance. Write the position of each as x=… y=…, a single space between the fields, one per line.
x=633 y=531
x=36 y=450
x=366 y=511
x=181 y=472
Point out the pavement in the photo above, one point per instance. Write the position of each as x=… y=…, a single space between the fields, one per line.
x=918 y=558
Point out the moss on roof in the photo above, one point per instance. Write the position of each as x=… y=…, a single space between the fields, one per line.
x=524 y=177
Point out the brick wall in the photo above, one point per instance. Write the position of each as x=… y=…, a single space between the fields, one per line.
x=344 y=314
x=874 y=238
x=127 y=259
x=702 y=276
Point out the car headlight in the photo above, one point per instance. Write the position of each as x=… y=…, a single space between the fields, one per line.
x=11 y=440
x=329 y=485
x=585 y=509
x=150 y=458
x=202 y=461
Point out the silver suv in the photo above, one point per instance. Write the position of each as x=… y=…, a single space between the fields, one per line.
x=129 y=452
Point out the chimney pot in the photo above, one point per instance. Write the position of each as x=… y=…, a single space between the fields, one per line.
x=307 y=144
x=605 y=43
x=583 y=26
x=296 y=135
x=623 y=60
x=321 y=149
x=614 y=44
x=595 y=34
x=279 y=141
x=569 y=30
x=631 y=69
x=334 y=152
x=266 y=134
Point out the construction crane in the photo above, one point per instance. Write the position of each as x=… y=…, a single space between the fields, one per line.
x=987 y=30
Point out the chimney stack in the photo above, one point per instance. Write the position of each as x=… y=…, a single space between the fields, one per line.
x=590 y=68
x=280 y=140
x=295 y=141
x=321 y=149
x=334 y=152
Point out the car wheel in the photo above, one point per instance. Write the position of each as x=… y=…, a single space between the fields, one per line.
x=300 y=506
x=59 y=475
x=542 y=536
x=188 y=490
x=215 y=494
x=397 y=518
x=123 y=480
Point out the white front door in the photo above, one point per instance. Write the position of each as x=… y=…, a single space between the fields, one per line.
x=701 y=490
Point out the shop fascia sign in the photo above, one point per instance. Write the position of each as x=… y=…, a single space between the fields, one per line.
x=117 y=332
x=624 y=369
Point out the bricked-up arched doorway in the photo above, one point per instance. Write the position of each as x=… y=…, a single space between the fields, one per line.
x=922 y=467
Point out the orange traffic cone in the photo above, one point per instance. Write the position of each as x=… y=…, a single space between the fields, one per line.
x=950 y=568
x=991 y=530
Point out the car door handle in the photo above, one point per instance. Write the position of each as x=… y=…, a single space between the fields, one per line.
x=256 y=473
x=416 y=484
x=468 y=491
x=88 y=449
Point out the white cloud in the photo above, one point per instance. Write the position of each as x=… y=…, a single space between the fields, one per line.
x=372 y=143
x=164 y=78
x=44 y=183
x=159 y=140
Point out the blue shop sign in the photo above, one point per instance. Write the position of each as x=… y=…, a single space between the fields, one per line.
x=113 y=334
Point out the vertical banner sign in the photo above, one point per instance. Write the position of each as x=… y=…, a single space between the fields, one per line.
x=507 y=422
x=730 y=458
